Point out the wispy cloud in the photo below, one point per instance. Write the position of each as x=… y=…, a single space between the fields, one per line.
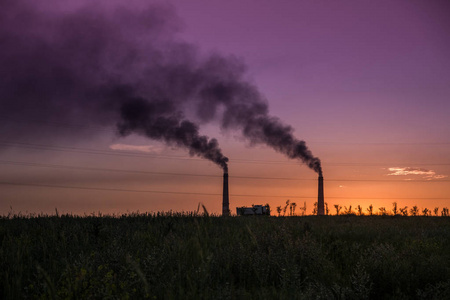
x=143 y=148
x=405 y=171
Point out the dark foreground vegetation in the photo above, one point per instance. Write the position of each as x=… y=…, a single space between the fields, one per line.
x=174 y=256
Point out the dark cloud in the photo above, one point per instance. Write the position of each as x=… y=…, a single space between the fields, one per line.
x=126 y=68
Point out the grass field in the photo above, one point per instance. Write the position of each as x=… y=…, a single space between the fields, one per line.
x=186 y=256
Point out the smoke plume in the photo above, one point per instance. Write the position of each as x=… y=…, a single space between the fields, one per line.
x=104 y=64
x=150 y=119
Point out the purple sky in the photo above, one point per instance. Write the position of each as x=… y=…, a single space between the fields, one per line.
x=379 y=64
x=364 y=83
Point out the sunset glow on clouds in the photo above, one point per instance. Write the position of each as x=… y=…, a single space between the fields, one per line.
x=425 y=173
x=142 y=148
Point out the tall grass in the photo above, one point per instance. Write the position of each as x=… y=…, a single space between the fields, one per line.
x=202 y=256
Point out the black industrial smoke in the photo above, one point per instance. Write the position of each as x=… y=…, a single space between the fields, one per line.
x=114 y=65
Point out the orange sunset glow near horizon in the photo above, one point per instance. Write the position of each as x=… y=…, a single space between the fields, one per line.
x=111 y=109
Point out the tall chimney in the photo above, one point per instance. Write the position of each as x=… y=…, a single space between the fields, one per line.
x=225 y=199
x=320 y=201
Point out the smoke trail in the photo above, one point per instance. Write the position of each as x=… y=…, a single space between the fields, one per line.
x=72 y=65
x=148 y=119
x=69 y=66
x=247 y=110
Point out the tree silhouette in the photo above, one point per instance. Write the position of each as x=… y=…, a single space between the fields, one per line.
x=303 y=209
x=436 y=211
x=292 y=208
x=267 y=209
x=394 y=209
x=383 y=211
x=315 y=211
x=404 y=211
x=444 y=212
x=285 y=207
x=370 y=210
x=414 y=211
x=348 y=211
x=338 y=208
x=360 y=210
x=279 y=209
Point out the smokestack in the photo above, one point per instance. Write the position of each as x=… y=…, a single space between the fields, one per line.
x=320 y=200
x=225 y=199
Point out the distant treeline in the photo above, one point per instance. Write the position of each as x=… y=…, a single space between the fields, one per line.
x=200 y=256
x=290 y=210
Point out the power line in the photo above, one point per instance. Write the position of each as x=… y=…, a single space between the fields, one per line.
x=88 y=151
x=146 y=155
x=385 y=143
x=90 y=127
x=27 y=164
x=54 y=166
x=102 y=189
x=31 y=164
x=113 y=130
x=208 y=194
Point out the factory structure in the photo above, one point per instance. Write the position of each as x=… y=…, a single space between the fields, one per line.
x=264 y=209
x=258 y=210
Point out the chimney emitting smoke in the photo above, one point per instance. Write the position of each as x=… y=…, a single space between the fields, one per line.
x=320 y=198
x=225 y=199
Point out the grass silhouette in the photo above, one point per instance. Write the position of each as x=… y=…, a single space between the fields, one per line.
x=199 y=255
